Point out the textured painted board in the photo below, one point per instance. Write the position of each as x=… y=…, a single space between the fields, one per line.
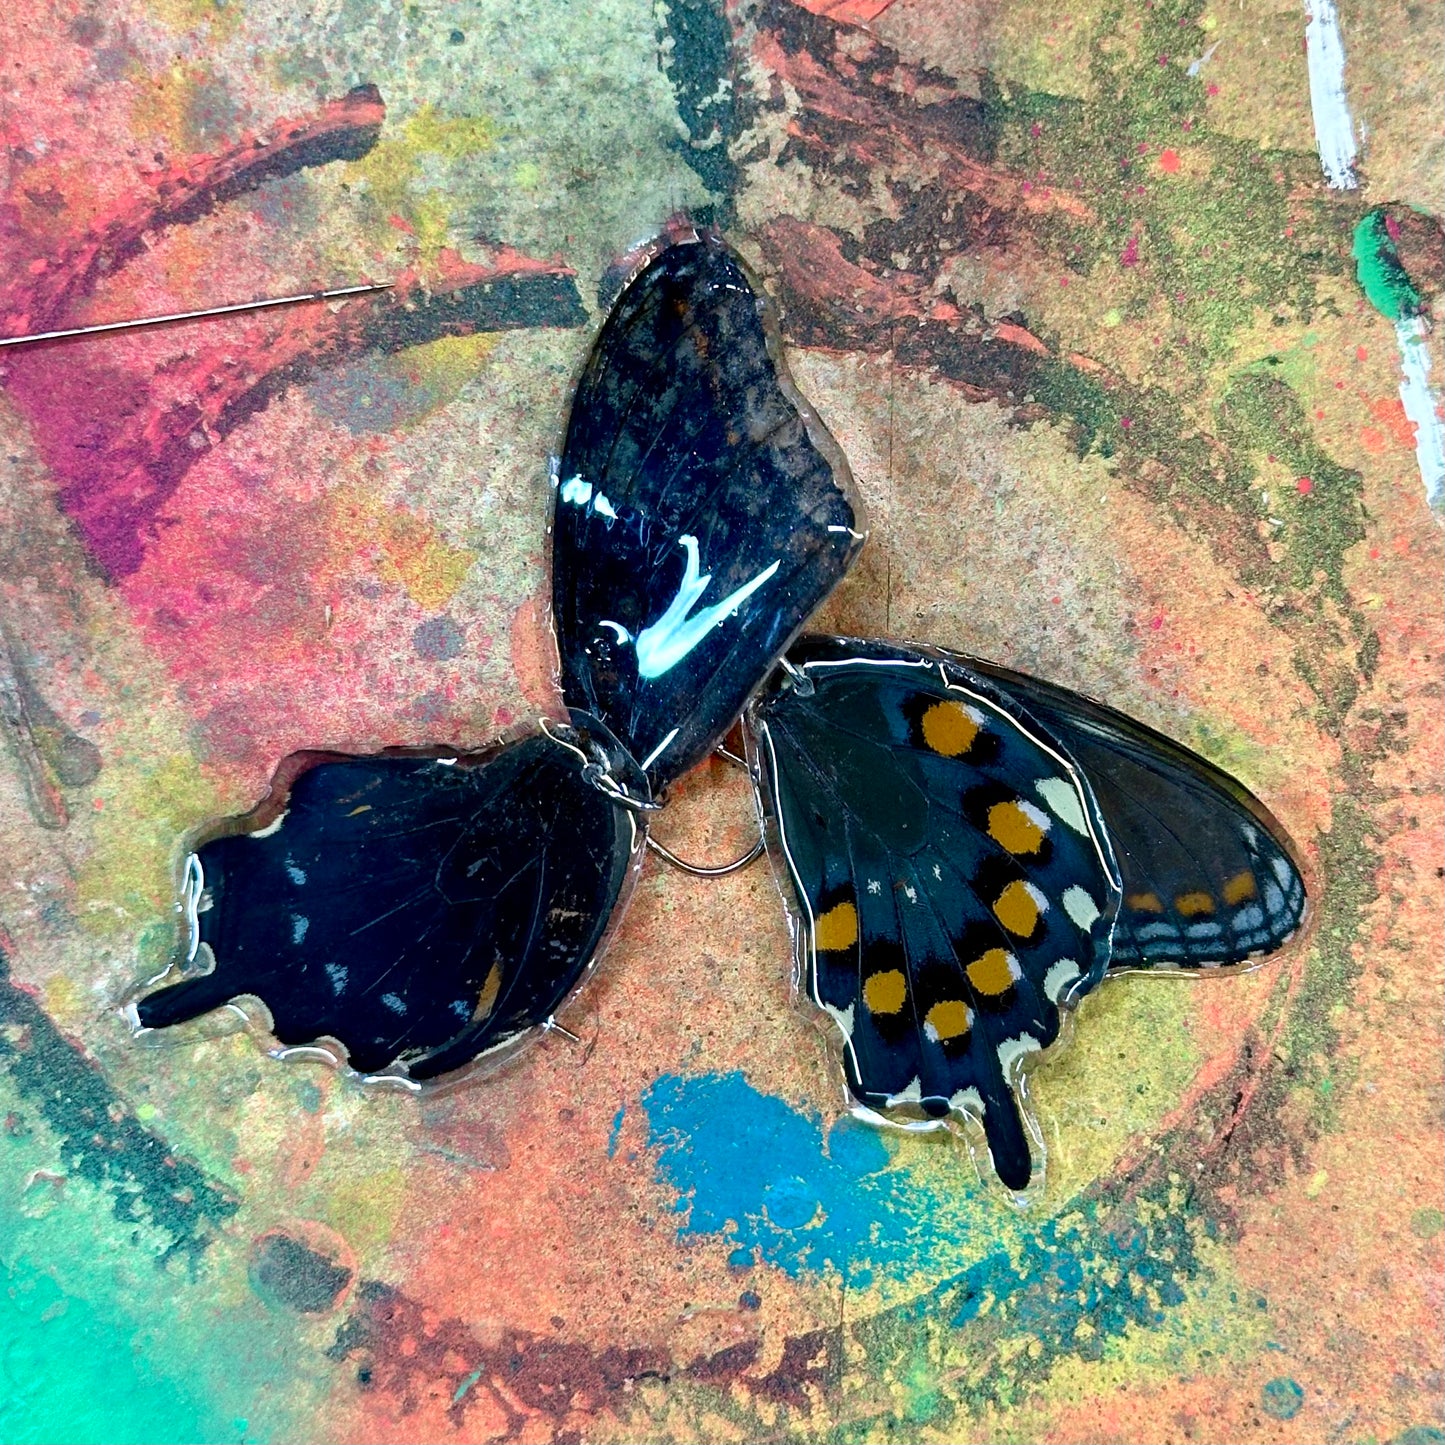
x=1142 y=391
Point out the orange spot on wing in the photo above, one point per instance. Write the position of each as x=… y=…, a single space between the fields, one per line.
x=949 y=1019
x=1192 y=904
x=992 y=974
x=886 y=993
x=1240 y=887
x=948 y=729
x=1013 y=829
x=1016 y=910
x=837 y=929
x=1145 y=903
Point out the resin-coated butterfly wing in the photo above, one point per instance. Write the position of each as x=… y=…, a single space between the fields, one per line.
x=1208 y=874
x=953 y=885
x=702 y=511
x=421 y=912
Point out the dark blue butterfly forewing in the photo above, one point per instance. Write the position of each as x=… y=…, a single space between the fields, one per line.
x=1208 y=874
x=950 y=871
x=702 y=511
x=419 y=911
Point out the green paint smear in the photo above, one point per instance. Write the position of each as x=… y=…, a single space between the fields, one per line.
x=70 y=1374
x=1380 y=272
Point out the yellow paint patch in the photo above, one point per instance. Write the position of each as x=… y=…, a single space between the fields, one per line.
x=949 y=1019
x=948 y=729
x=168 y=101
x=1013 y=829
x=991 y=974
x=1016 y=910
x=487 y=999
x=398 y=160
x=219 y=19
x=1145 y=903
x=1191 y=904
x=408 y=552
x=414 y=556
x=1239 y=888
x=885 y=993
x=837 y=929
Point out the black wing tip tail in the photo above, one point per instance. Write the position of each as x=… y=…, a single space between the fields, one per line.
x=1010 y=1141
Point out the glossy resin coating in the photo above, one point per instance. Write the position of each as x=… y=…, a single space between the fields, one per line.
x=702 y=511
x=971 y=851
x=420 y=912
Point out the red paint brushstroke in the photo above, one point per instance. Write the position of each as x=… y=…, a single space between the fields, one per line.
x=413 y=1361
x=866 y=108
x=118 y=446
x=43 y=287
x=848 y=12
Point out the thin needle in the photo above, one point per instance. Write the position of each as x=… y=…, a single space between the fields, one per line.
x=197 y=315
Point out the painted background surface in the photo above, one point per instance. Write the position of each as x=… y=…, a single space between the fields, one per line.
x=1131 y=374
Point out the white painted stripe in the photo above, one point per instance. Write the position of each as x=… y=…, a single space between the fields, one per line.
x=1421 y=404
x=1334 y=126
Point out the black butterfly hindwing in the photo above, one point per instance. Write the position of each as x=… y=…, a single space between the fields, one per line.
x=864 y=749
x=951 y=875
x=420 y=912
x=702 y=512
x=1208 y=874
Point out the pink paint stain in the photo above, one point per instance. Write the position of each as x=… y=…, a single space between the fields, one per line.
x=1129 y=256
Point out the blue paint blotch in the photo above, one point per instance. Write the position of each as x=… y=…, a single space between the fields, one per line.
x=779 y=1186
x=1281 y=1398
x=750 y=1299
x=612 y=1138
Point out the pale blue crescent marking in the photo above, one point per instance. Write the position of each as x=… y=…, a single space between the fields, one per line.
x=667 y=641
x=578 y=492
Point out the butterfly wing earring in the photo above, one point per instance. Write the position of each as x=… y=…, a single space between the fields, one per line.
x=409 y=915
x=968 y=852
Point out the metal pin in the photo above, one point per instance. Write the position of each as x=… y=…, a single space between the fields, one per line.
x=552 y=1026
x=362 y=290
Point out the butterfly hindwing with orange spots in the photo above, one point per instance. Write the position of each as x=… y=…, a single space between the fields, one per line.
x=951 y=870
x=1208 y=875
x=972 y=851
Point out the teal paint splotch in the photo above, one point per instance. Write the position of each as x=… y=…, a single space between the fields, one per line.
x=1379 y=270
x=1282 y=1398
x=68 y=1373
x=781 y=1188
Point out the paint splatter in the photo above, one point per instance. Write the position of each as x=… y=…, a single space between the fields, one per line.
x=1393 y=293
x=1334 y=126
x=750 y=1167
x=1281 y=1398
